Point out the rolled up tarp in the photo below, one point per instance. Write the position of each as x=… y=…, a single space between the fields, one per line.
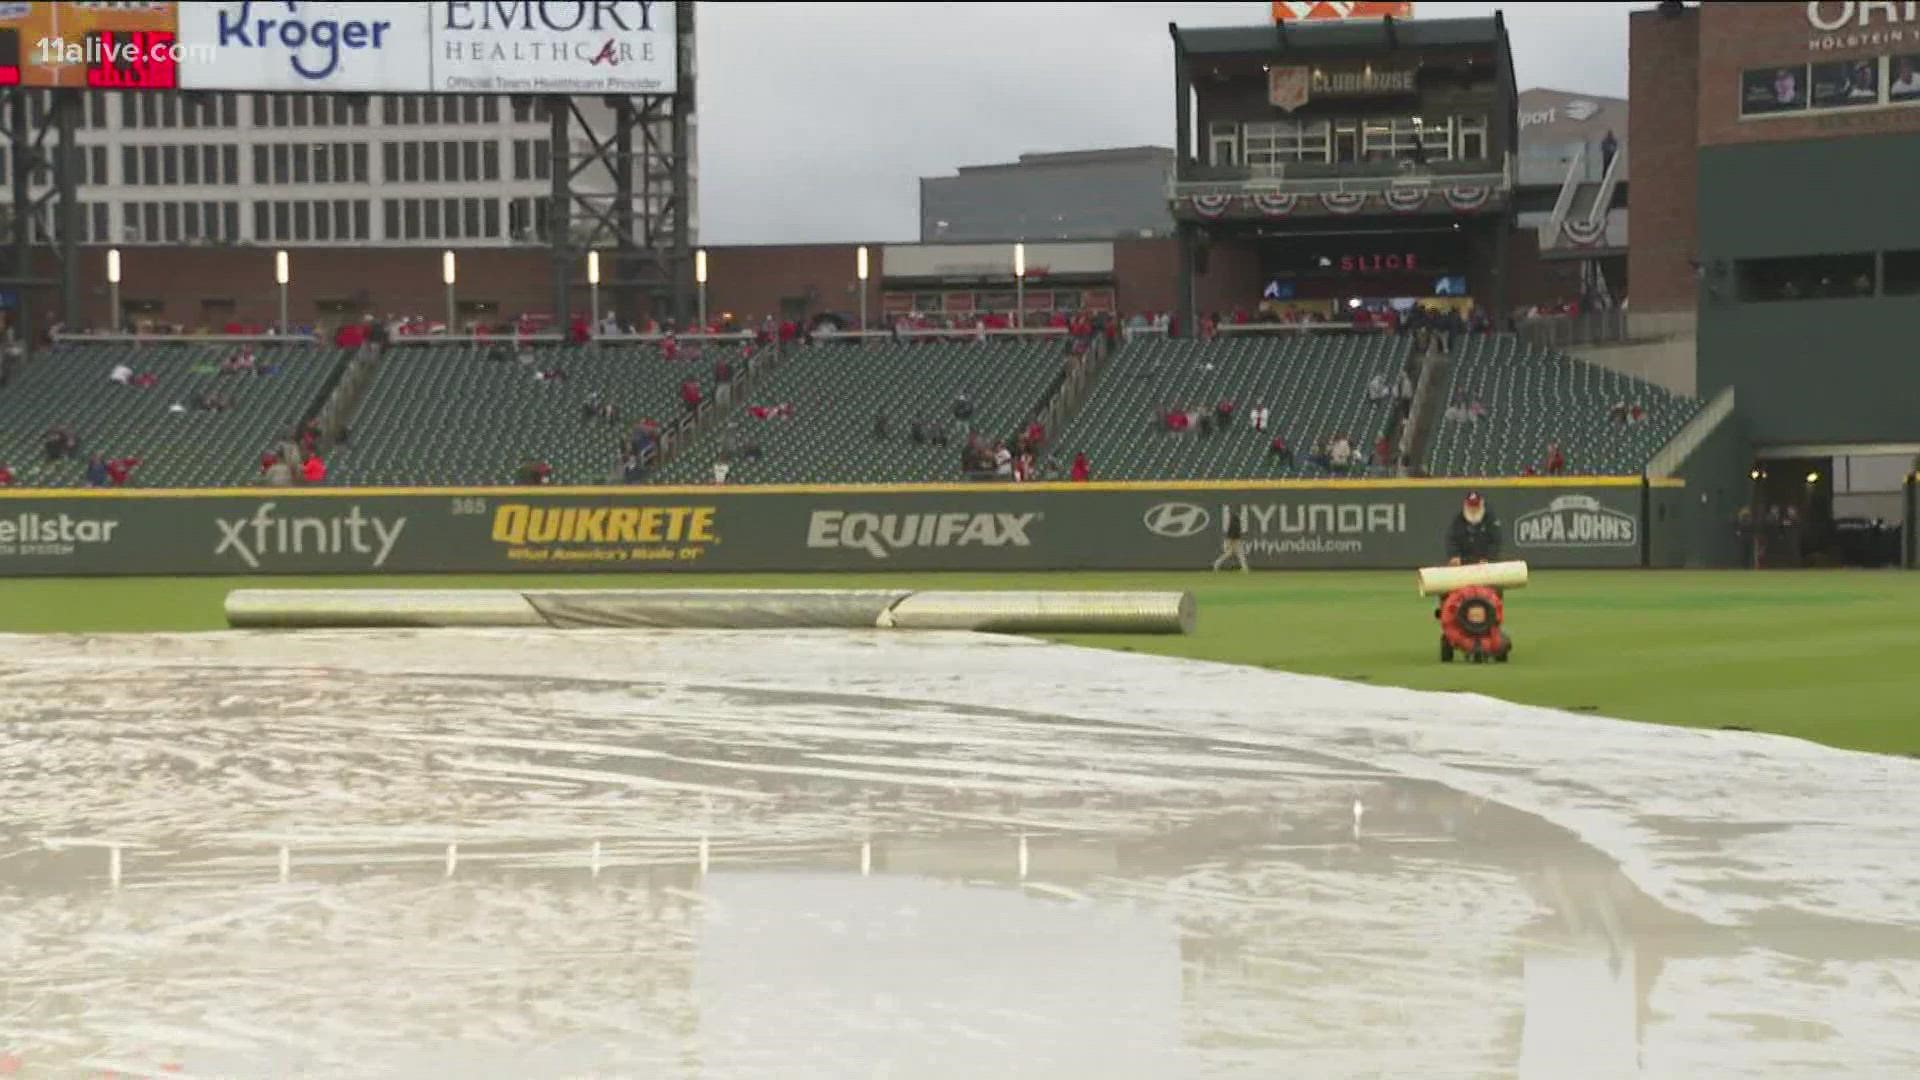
x=1047 y=612
x=717 y=609
x=349 y=608
x=1436 y=580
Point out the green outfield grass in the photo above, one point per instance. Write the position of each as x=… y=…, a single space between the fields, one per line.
x=1829 y=656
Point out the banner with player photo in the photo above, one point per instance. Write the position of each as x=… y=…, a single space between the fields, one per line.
x=1903 y=78
x=1845 y=84
x=1764 y=91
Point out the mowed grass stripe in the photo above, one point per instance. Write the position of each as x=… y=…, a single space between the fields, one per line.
x=1827 y=656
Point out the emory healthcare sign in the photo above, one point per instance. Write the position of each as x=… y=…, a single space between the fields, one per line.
x=463 y=46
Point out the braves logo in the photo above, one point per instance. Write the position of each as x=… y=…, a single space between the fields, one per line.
x=605 y=56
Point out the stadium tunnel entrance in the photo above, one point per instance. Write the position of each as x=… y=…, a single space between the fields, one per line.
x=1830 y=506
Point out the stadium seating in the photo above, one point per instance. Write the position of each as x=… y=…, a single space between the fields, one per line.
x=1315 y=387
x=837 y=390
x=1535 y=395
x=447 y=414
x=66 y=386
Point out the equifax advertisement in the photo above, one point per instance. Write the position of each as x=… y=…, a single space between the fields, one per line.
x=460 y=46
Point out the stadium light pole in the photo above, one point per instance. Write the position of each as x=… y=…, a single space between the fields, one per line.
x=1020 y=285
x=113 y=287
x=860 y=270
x=280 y=277
x=593 y=290
x=700 y=279
x=446 y=275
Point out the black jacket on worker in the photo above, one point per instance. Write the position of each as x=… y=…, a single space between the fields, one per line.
x=1471 y=543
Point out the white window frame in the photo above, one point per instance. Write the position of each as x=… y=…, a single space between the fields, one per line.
x=1223 y=135
x=1471 y=127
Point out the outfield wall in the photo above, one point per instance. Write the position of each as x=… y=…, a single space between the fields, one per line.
x=1590 y=522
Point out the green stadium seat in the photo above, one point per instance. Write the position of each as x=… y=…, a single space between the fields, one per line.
x=446 y=414
x=66 y=386
x=1313 y=385
x=1535 y=395
x=837 y=390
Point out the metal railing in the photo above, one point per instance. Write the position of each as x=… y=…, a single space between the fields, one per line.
x=1343 y=185
x=1608 y=327
x=1569 y=188
x=1603 y=199
x=1076 y=382
x=69 y=337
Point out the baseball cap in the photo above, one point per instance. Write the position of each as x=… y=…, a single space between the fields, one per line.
x=1474 y=501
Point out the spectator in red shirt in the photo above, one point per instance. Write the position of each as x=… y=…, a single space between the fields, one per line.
x=1036 y=436
x=1382 y=451
x=1556 y=461
x=118 y=469
x=313 y=470
x=1082 y=468
x=267 y=458
x=1223 y=413
x=1278 y=448
x=690 y=395
x=6 y=475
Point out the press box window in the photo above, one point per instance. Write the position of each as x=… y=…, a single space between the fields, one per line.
x=1902 y=274
x=1805 y=277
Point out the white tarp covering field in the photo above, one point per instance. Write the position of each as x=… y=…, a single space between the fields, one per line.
x=547 y=853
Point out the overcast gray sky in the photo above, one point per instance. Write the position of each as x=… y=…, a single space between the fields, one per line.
x=818 y=119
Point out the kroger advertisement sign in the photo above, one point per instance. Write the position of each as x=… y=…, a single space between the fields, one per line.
x=465 y=46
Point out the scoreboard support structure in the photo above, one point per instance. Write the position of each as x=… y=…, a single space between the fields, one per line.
x=647 y=218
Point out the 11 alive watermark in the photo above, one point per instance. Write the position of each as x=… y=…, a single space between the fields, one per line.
x=122 y=50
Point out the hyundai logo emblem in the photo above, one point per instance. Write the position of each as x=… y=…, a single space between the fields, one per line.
x=1177 y=520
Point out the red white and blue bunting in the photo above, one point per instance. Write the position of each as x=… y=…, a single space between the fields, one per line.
x=1406 y=200
x=1344 y=202
x=1584 y=233
x=1212 y=206
x=1471 y=197
x=1275 y=205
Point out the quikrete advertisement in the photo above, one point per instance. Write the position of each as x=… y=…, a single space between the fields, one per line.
x=637 y=530
x=604 y=534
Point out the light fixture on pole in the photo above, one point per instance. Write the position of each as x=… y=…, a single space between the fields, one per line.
x=700 y=279
x=281 y=277
x=113 y=286
x=860 y=271
x=593 y=287
x=446 y=275
x=1020 y=285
